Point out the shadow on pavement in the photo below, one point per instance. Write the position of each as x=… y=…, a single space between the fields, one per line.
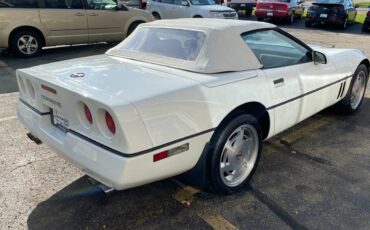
x=81 y=205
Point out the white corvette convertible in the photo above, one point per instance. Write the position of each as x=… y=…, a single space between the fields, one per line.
x=186 y=94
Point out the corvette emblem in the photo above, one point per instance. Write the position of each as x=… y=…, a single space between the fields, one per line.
x=75 y=75
x=271 y=6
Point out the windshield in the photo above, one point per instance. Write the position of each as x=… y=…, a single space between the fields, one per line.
x=173 y=43
x=330 y=1
x=202 y=2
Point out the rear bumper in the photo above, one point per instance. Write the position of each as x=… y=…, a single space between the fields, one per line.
x=330 y=19
x=275 y=14
x=240 y=6
x=104 y=166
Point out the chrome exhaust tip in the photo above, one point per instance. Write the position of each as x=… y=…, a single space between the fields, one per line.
x=105 y=188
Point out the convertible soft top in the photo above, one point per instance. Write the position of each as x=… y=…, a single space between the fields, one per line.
x=221 y=48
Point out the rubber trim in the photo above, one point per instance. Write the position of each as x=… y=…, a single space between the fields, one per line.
x=308 y=93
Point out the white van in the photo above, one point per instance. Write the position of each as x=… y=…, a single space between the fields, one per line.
x=168 y=9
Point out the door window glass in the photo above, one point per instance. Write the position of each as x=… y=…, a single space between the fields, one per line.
x=101 y=4
x=19 y=3
x=63 y=4
x=274 y=49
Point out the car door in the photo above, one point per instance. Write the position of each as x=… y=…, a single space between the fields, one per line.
x=180 y=11
x=299 y=88
x=168 y=9
x=65 y=20
x=106 y=20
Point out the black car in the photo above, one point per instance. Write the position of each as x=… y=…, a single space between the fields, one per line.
x=366 y=25
x=336 y=12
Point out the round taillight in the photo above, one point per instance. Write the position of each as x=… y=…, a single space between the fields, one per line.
x=110 y=122
x=88 y=114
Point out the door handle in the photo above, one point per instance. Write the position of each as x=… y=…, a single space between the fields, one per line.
x=79 y=14
x=93 y=14
x=279 y=82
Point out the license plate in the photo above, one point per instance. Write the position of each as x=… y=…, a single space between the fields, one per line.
x=323 y=15
x=242 y=5
x=270 y=14
x=60 y=121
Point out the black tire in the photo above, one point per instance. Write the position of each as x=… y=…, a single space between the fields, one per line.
x=197 y=16
x=132 y=27
x=248 y=12
x=308 y=23
x=222 y=134
x=156 y=16
x=364 y=28
x=344 y=25
x=344 y=106
x=15 y=43
x=259 y=19
x=290 y=19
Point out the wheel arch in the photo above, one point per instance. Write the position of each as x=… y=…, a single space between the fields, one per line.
x=256 y=109
x=366 y=62
x=138 y=21
x=20 y=28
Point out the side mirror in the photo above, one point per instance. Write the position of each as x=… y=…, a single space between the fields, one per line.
x=357 y=5
x=318 y=58
x=184 y=3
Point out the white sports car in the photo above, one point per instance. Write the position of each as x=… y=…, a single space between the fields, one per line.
x=186 y=94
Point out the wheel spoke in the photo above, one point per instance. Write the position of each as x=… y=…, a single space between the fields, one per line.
x=23 y=40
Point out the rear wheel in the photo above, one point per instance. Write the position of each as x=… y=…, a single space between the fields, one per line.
x=248 y=12
x=234 y=154
x=308 y=23
x=132 y=27
x=353 y=99
x=344 y=24
x=291 y=18
x=364 y=28
x=197 y=16
x=156 y=16
x=26 y=43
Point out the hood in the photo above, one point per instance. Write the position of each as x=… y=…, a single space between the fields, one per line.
x=110 y=76
x=214 y=8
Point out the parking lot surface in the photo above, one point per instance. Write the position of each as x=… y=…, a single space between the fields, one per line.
x=314 y=176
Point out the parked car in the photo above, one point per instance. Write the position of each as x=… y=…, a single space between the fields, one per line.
x=27 y=26
x=185 y=94
x=279 y=9
x=366 y=25
x=336 y=12
x=167 y=9
x=246 y=5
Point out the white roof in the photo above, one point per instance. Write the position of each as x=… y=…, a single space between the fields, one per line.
x=224 y=50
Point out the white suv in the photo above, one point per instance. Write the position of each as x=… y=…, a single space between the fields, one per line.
x=167 y=9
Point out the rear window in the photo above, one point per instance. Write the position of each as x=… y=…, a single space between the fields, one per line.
x=19 y=3
x=173 y=43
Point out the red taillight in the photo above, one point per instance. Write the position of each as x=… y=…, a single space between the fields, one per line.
x=368 y=13
x=110 y=122
x=88 y=114
x=160 y=156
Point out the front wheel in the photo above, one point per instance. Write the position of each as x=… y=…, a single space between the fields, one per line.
x=26 y=43
x=234 y=153
x=353 y=99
